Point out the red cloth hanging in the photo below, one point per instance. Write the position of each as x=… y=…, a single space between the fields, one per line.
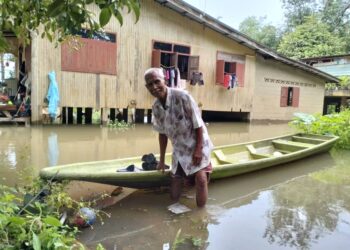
x=226 y=81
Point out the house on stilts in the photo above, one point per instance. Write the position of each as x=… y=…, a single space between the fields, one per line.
x=231 y=76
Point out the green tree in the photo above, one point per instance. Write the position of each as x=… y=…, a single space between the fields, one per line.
x=296 y=11
x=336 y=13
x=59 y=18
x=311 y=39
x=256 y=29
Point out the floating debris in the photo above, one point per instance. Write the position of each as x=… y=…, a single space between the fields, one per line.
x=178 y=208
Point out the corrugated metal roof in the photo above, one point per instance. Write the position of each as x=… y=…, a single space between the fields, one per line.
x=324 y=57
x=203 y=18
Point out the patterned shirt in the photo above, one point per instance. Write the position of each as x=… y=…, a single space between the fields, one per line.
x=178 y=121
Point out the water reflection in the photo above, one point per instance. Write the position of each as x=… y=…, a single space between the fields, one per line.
x=304 y=212
x=300 y=213
x=8 y=157
x=53 y=151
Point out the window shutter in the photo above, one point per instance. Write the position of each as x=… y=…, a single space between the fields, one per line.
x=296 y=93
x=240 y=68
x=193 y=65
x=86 y=59
x=220 y=68
x=99 y=57
x=105 y=55
x=156 y=58
x=174 y=59
x=69 y=57
x=284 y=97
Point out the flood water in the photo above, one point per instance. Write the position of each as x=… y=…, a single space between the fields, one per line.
x=300 y=205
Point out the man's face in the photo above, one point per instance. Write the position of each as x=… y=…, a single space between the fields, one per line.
x=156 y=85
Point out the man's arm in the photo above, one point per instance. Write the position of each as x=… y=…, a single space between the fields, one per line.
x=197 y=154
x=163 y=142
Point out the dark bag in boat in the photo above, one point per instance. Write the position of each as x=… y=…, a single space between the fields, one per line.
x=149 y=162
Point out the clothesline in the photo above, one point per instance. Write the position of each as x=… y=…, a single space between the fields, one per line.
x=168 y=67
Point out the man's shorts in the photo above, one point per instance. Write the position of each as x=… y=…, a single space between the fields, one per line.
x=190 y=179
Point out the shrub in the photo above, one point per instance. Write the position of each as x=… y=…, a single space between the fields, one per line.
x=333 y=124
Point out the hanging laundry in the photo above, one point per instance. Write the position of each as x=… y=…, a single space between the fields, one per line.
x=197 y=77
x=167 y=74
x=232 y=81
x=227 y=79
x=177 y=77
x=172 y=78
x=53 y=95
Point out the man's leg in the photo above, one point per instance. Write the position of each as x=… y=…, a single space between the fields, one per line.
x=176 y=183
x=201 y=188
x=175 y=188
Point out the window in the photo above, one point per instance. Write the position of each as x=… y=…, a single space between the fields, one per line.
x=98 y=54
x=182 y=49
x=179 y=56
x=289 y=97
x=224 y=67
x=163 y=46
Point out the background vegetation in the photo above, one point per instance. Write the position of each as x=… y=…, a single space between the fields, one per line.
x=312 y=28
x=333 y=124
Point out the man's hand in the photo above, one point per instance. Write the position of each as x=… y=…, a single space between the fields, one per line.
x=197 y=157
x=161 y=166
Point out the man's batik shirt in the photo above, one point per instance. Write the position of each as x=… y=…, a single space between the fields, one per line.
x=178 y=121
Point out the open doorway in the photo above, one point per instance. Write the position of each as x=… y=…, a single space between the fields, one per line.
x=15 y=83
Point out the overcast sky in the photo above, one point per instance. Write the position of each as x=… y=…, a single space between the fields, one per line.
x=233 y=12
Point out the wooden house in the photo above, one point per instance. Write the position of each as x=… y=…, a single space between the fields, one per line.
x=107 y=72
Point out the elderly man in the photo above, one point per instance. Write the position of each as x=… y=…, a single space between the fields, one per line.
x=176 y=116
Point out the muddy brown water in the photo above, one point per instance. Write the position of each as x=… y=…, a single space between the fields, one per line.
x=300 y=205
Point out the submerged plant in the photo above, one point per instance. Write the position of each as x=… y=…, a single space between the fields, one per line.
x=122 y=124
x=333 y=124
x=196 y=242
x=178 y=240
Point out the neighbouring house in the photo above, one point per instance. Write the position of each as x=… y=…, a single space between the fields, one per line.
x=229 y=75
x=339 y=66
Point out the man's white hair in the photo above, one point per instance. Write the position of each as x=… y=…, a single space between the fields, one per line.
x=158 y=71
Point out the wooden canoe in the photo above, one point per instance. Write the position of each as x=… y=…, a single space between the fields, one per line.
x=227 y=161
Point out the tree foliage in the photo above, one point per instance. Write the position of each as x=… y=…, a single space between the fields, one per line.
x=334 y=19
x=311 y=28
x=296 y=11
x=255 y=28
x=311 y=39
x=59 y=18
x=336 y=13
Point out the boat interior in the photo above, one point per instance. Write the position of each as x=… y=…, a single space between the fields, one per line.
x=265 y=149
